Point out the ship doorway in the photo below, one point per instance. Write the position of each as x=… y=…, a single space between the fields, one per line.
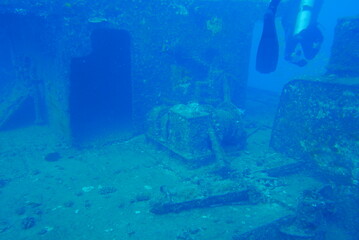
x=101 y=88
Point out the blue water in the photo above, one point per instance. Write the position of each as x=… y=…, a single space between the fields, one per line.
x=134 y=119
x=330 y=13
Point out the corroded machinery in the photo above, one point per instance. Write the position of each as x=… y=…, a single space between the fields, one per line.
x=197 y=133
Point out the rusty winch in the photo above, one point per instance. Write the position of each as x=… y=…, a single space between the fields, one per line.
x=198 y=133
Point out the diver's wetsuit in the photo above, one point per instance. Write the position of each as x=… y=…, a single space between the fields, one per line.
x=273 y=5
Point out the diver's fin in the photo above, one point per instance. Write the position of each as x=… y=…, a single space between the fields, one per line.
x=268 y=49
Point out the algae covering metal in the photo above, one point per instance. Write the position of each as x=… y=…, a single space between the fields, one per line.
x=319 y=121
x=177 y=47
x=198 y=134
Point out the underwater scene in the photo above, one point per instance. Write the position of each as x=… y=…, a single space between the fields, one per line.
x=179 y=120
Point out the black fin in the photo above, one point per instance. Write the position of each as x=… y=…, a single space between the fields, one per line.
x=268 y=49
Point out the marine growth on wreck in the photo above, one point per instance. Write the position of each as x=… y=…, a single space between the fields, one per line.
x=179 y=119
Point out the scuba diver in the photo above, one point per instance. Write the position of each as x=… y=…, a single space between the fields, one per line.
x=302 y=35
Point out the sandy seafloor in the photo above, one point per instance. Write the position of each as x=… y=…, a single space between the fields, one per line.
x=106 y=192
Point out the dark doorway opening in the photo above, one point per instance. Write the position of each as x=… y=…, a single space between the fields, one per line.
x=101 y=88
